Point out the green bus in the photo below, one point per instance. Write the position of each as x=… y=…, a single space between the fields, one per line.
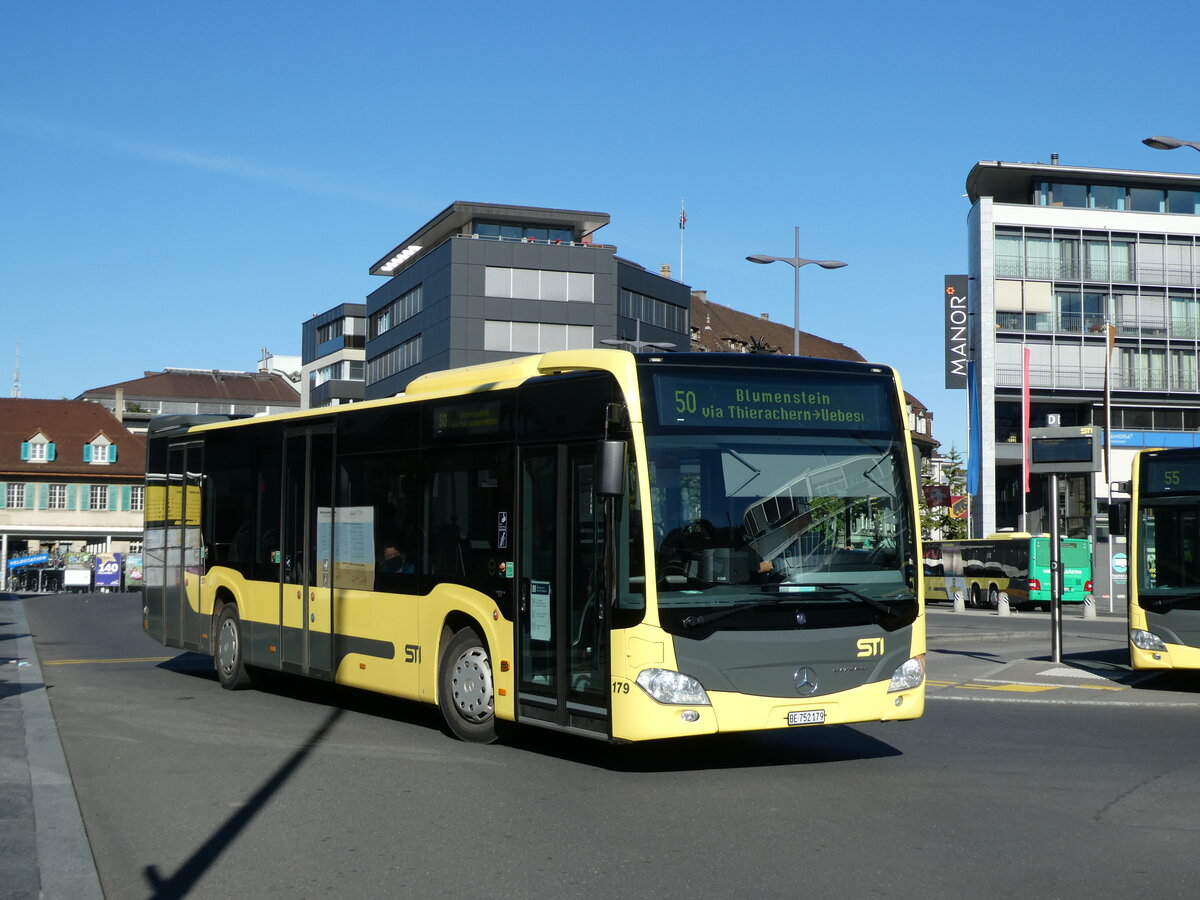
x=1015 y=564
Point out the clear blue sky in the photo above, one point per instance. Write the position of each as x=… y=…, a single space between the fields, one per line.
x=183 y=184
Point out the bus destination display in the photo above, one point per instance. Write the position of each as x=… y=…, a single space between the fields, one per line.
x=1171 y=475
x=793 y=403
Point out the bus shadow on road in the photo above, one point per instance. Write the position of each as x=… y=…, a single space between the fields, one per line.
x=798 y=746
x=807 y=746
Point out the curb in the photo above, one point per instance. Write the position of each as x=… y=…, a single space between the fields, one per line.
x=64 y=856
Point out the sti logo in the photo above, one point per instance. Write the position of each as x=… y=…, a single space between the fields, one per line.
x=870 y=647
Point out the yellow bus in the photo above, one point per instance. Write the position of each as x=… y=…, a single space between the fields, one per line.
x=623 y=547
x=1164 y=560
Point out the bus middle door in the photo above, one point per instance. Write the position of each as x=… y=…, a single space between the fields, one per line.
x=562 y=623
x=306 y=599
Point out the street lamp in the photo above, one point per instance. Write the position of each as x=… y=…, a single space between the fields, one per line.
x=1162 y=142
x=796 y=262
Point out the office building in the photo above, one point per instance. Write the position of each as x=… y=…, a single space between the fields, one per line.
x=485 y=282
x=1056 y=254
x=333 y=356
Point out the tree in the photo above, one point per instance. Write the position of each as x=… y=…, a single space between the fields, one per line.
x=939 y=522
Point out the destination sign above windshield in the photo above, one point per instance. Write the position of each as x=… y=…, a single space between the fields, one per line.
x=778 y=402
x=1171 y=475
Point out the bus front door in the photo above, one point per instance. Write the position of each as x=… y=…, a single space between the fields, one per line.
x=306 y=598
x=562 y=626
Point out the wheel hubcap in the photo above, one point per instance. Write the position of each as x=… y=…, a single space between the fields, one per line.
x=227 y=645
x=471 y=685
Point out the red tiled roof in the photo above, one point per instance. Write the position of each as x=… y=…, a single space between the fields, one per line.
x=68 y=424
x=720 y=329
x=265 y=388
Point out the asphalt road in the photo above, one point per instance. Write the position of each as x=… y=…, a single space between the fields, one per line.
x=1015 y=783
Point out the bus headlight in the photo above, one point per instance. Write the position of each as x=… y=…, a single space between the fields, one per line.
x=666 y=686
x=910 y=675
x=1144 y=640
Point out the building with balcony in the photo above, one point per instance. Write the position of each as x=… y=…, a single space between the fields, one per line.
x=485 y=282
x=1056 y=254
x=333 y=356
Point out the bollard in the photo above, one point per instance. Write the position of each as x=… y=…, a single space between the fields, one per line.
x=1089 y=607
x=958 y=601
x=1002 y=605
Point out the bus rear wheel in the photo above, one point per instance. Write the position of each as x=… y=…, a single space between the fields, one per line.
x=466 y=694
x=227 y=652
x=975 y=601
x=993 y=597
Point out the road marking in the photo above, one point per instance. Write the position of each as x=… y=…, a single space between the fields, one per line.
x=82 y=662
x=1021 y=688
x=1050 y=701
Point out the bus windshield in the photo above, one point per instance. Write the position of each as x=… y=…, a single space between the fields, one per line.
x=1169 y=546
x=768 y=526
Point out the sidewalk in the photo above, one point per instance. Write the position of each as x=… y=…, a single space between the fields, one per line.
x=44 y=850
x=976 y=654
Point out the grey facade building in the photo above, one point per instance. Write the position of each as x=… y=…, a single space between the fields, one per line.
x=332 y=355
x=485 y=282
x=1059 y=257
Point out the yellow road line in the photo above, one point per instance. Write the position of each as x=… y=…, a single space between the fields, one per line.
x=80 y=662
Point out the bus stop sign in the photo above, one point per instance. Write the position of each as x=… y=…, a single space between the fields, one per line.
x=1064 y=450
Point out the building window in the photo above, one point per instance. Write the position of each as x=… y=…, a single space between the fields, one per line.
x=14 y=496
x=508 y=231
x=137 y=498
x=535 y=337
x=98 y=497
x=395 y=360
x=535 y=284
x=652 y=311
x=38 y=449
x=399 y=310
x=58 y=497
x=100 y=452
x=333 y=330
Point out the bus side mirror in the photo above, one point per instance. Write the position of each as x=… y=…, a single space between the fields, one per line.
x=1118 y=518
x=610 y=468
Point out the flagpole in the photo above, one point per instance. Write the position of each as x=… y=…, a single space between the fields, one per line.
x=682 y=229
x=1110 y=332
x=1024 y=436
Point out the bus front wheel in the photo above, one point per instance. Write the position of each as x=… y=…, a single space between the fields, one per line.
x=466 y=694
x=975 y=601
x=993 y=597
x=227 y=654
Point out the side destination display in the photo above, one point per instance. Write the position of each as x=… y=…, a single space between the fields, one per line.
x=783 y=403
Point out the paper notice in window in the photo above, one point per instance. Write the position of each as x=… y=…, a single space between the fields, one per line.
x=539 y=610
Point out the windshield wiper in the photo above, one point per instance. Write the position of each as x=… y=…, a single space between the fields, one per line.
x=844 y=588
x=694 y=621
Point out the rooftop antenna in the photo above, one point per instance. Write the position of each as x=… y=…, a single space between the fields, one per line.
x=17 y=373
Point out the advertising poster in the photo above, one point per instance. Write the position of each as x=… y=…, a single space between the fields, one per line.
x=107 y=568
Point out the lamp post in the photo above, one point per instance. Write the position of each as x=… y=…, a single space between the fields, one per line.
x=1162 y=142
x=796 y=262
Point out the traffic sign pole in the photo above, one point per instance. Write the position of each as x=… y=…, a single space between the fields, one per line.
x=1055 y=576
